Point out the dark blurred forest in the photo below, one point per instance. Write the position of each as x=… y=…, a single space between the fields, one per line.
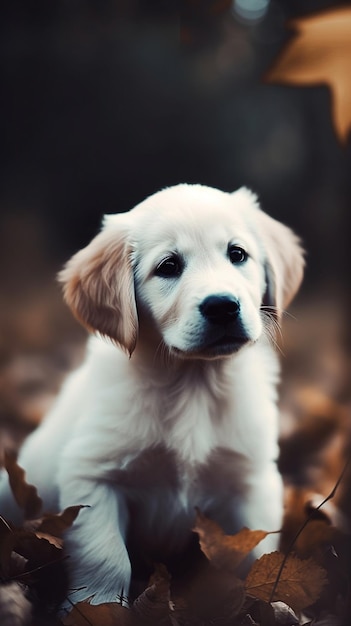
x=103 y=103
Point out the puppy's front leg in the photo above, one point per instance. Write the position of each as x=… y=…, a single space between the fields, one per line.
x=263 y=509
x=99 y=566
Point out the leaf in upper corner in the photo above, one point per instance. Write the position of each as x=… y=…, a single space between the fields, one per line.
x=26 y=495
x=225 y=551
x=320 y=54
x=300 y=583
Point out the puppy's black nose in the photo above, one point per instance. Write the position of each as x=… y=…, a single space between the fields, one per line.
x=220 y=309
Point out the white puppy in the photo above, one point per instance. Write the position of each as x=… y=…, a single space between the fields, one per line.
x=179 y=408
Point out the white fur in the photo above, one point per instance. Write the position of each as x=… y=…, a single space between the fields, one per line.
x=188 y=420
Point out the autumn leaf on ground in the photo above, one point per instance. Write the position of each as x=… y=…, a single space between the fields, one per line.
x=213 y=596
x=52 y=526
x=154 y=603
x=33 y=555
x=25 y=495
x=109 y=614
x=320 y=54
x=225 y=551
x=300 y=583
x=38 y=552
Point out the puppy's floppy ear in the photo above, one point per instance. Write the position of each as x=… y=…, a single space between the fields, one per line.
x=99 y=286
x=284 y=265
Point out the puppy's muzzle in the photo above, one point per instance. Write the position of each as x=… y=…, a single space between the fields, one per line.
x=223 y=331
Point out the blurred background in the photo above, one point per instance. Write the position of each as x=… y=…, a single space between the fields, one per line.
x=103 y=103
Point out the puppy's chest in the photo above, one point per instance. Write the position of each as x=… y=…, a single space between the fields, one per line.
x=162 y=475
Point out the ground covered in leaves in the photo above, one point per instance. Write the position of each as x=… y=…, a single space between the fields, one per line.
x=280 y=588
x=307 y=582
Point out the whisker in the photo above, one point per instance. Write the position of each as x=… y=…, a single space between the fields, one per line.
x=160 y=352
x=277 y=326
x=288 y=314
x=271 y=327
x=273 y=308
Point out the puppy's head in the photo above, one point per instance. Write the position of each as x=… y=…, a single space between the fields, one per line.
x=191 y=266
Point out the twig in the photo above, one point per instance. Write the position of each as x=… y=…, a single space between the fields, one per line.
x=37 y=569
x=303 y=526
x=4 y=522
x=79 y=612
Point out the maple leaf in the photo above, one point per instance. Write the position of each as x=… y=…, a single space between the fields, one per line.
x=300 y=583
x=26 y=495
x=320 y=54
x=225 y=551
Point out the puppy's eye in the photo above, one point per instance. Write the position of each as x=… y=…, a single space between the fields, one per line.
x=171 y=267
x=237 y=254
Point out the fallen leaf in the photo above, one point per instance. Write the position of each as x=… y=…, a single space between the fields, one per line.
x=109 y=614
x=209 y=596
x=37 y=551
x=55 y=541
x=26 y=495
x=54 y=524
x=154 y=603
x=318 y=533
x=300 y=583
x=11 y=563
x=225 y=551
x=320 y=54
x=314 y=538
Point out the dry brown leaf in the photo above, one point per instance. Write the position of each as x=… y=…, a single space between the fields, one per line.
x=300 y=583
x=55 y=541
x=38 y=551
x=212 y=595
x=320 y=54
x=109 y=614
x=318 y=533
x=225 y=551
x=11 y=563
x=154 y=603
x=25 y=495
x=313 y=539
x=54 y=524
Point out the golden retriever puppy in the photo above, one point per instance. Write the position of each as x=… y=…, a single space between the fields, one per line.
x=178 y=407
